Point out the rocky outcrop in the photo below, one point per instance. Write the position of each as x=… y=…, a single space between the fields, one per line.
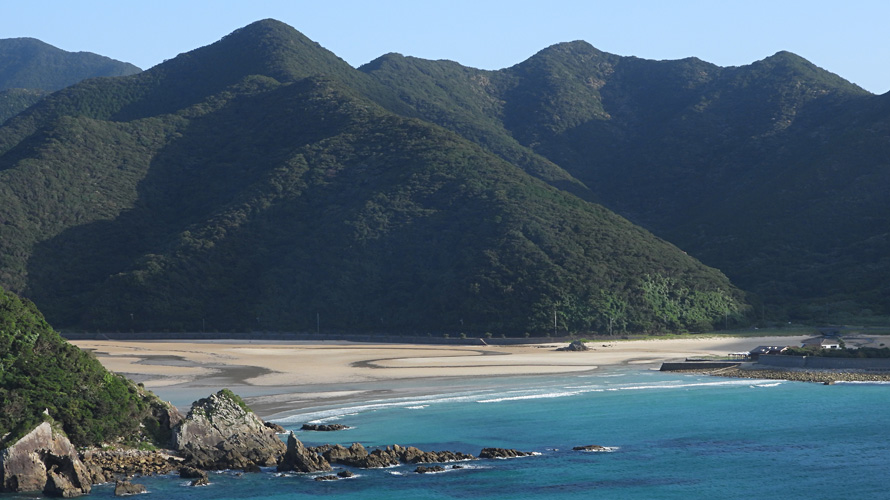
x=220 y=432
x=199 y=476
x=275 y=427
x=106 y=465
x=44 y=460
x=426 y=470
x=503 y=453
x=576 y=345
x=125 y=488
x=357 y=456
x=324 y=427
x=300 y=459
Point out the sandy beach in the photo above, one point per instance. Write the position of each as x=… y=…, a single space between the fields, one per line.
x=275 y=376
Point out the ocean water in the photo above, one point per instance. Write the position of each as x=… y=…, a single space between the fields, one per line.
x=672 y=436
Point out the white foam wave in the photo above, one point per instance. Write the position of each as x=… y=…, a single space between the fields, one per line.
x=546 y=395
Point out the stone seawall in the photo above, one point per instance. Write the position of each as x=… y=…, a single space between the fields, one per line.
x=823 y=363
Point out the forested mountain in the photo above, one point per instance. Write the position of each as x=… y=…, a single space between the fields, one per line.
x=30 y=69
x=262 y=183
x=775 y=172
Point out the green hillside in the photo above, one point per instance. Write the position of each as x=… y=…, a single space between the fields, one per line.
x=30 y=69
x=772 y=172
x=262 y=183
x=27 y=63
x=40 y=372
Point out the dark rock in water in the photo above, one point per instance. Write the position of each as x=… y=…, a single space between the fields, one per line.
x=298 y=458
x=346 y=456
x=345 y=474
x=252 y=468
x=591 y=447
x=457 y=466
x=576 y=345
x=201 y=481
x=275 y=427
x=192 y=473
x=324 y=427
x=326 y=478
x=44 y=460
x=219 y=432
x=425 y=470
x=412 y=455
x=124 y=488
x=503 y=453
x=357 y=456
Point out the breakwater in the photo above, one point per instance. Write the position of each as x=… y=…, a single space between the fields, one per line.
x=819 y=376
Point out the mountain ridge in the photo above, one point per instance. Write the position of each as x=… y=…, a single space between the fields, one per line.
x=676 y=146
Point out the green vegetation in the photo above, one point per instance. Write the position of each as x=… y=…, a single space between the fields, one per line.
x=236 y=398
x=26 y=63
x=40 y=371
x=751 y=169
x=861 y=352
x=14 y=101
x=261 y=183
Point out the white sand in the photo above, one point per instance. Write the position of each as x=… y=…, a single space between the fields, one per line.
x=305 y=373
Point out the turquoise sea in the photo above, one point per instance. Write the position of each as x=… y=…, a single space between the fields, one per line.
x=673 y=436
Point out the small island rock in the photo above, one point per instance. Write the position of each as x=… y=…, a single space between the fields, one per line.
x=220 y=432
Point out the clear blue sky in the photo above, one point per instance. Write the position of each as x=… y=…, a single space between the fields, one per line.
x=850 y=38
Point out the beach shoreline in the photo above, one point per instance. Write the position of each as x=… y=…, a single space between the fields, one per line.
x=280 y=376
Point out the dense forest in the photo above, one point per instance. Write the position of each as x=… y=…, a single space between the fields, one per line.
x=261 y=183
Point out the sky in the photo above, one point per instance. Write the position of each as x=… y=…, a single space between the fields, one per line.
x=848 y=38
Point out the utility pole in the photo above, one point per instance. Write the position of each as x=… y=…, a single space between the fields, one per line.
x=554 y=322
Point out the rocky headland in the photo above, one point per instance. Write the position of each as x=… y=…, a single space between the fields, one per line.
x=219 y=432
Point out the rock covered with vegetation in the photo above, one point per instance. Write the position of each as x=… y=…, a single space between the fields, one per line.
x=222 y=432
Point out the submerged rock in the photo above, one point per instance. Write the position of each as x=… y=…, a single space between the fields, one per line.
x=44 y=460
x=220 y=432
x=591 y=447
x=324 y=427
x=503 y=453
